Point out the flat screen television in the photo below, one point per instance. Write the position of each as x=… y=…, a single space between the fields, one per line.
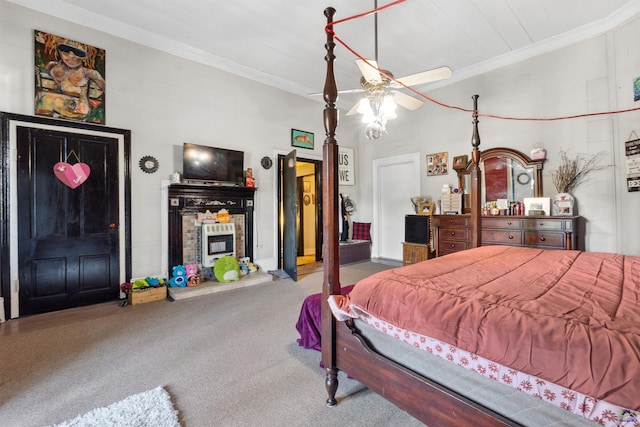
x=212 y=165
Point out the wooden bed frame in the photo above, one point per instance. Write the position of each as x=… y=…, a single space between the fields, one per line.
x=342 y=346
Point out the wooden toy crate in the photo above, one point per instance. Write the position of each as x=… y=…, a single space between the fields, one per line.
x=148 y=295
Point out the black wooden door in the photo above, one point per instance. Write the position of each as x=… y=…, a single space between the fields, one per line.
x=290 y=214
x=68 y=239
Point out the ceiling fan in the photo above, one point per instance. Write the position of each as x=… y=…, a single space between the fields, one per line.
x=381 y=94
x=372 y=80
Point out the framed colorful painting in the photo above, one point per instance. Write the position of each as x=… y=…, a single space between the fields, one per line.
x=69 y=79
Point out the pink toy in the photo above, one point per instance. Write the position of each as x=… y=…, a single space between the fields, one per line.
x=192 y=270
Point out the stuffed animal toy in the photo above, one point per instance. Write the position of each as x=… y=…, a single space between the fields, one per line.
x=252 y=267
x=154 y=281
x=192 y=270
x=179 y=278
x=194 y=280
x=226 y=269
x=244 y=268
x=140 y=284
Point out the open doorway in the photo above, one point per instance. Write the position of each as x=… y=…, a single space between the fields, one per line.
x=299 y=212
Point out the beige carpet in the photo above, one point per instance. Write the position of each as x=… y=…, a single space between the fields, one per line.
x=226 y=359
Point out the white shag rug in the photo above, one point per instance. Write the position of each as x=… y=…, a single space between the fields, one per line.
x=152 y=408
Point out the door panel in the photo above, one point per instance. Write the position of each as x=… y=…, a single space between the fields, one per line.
x=396 y=179
x=68 y=240
x=290 y=211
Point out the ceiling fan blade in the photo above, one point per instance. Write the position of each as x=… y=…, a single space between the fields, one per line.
x=370 y=74
x=359 y=90
x=405 y=100
x=354 y=109
x=424 y=77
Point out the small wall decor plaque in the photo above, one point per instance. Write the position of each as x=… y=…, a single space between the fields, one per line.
x=437 y=164
x=346 y=166
x=73 y=176
x=460 y=162
x=301 y=139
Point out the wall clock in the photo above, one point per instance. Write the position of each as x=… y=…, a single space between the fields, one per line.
x=266 y=162
x=148 y=164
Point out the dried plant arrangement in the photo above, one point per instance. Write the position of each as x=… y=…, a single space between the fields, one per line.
x=573 y=172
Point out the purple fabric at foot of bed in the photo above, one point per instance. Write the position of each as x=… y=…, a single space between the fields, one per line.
x=309 y=321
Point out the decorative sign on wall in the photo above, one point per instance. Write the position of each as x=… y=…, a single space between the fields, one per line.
x=632 y=151
x=346 y=166
x=302 y=139
x=69 y=79
x=72 y=176
x=437 y=164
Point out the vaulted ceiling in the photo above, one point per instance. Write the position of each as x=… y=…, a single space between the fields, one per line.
x=280 y=42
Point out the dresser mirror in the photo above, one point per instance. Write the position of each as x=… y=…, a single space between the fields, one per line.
x=506 y=174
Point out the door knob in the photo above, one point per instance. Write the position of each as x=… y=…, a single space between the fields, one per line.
x=113 y=226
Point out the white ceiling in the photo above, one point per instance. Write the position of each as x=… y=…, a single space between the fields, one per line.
x=281 y=42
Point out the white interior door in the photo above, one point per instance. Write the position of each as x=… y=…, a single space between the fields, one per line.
x=395 y=180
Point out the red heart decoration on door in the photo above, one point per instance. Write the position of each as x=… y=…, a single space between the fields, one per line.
x=71 y=175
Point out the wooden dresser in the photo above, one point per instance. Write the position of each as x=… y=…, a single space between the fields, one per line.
x=547 y=232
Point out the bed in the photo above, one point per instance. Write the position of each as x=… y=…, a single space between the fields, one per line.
x=575 y=328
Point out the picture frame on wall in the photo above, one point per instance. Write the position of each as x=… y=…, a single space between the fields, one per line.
x=301 y=139
x=437 y=164
x=460 y=162
x=70 y=80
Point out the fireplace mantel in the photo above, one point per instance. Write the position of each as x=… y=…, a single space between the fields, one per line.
x=191 y=199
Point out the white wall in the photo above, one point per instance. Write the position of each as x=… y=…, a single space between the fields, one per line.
x=166 y=101
x=592 y=76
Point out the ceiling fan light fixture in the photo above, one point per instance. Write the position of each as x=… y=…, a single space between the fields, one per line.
x=388 y=108
x=364 y=107
x=368 y=118
x=374 y=130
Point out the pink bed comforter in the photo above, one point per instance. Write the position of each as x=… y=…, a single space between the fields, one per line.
x=569 y=317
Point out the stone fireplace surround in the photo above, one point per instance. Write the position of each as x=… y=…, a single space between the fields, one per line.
x=186 y=200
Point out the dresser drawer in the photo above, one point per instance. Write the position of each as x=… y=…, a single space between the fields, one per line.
x=542 y=224
x=453 y=220
x=510 y=223
x=502 y=237
x=537 y=238
x=454 y=233
x=451 y=246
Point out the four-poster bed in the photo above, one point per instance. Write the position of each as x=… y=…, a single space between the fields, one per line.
x=369 y=357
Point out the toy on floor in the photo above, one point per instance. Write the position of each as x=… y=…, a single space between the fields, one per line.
x=179 y=278
x=226 y=269
x=140 y=285
x=192 y=275
x=191 y=270
x=246 y=266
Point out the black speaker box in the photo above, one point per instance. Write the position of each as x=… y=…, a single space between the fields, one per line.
x=416 y=229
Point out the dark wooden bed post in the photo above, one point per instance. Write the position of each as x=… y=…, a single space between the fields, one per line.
x=331 y=252
x=476 y=180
